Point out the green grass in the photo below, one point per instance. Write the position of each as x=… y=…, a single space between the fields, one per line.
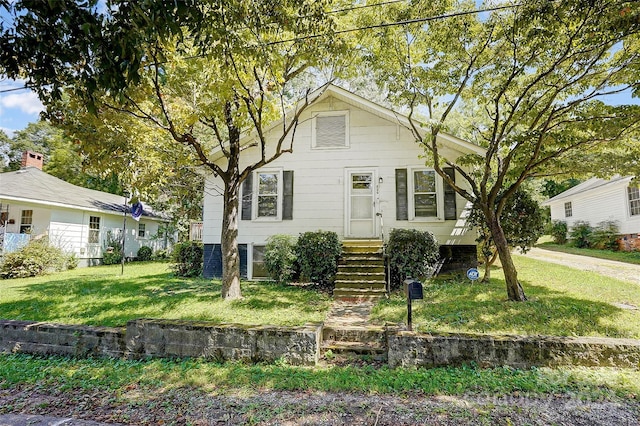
x=620 y=256
x=562 y=302
x=114 y=375
x=101 y=296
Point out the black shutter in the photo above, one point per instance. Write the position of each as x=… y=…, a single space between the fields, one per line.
x=287 y=196
x=247 y=197
x=450 y=211
x=402 y=203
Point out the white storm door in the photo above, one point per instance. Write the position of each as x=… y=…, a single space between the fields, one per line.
x=360 y=203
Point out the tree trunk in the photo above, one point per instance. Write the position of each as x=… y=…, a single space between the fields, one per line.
x=514 y=289
x=229 y=240
x=488 y=263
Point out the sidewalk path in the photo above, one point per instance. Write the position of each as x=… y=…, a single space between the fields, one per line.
x=32 y=420
x=620 y=270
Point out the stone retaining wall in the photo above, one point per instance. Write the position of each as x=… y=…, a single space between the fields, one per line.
x=301 y=345
x=60 y=339
x=423 y=350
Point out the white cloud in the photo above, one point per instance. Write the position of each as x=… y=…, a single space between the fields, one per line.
x=27 y=102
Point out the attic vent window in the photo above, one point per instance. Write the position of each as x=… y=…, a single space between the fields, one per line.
x=330 y=130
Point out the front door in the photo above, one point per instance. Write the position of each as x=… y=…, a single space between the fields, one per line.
x=360 y=204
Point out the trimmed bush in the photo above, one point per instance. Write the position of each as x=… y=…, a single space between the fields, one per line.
x=280 y=257
x=412 y=254
x=36 y=258
x=558 y=231
x=144 y=253
x=580 y=234
x=605 y=236
x=188 y=258
x=318 y=254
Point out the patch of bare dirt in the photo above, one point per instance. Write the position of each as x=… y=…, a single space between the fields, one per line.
x=186 y=406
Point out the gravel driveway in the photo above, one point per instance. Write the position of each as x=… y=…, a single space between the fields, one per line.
x=619 y=270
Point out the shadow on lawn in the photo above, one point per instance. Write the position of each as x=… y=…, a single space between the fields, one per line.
x=482 y=308
x=114 y=300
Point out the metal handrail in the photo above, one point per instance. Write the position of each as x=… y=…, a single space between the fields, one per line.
x=384 y=255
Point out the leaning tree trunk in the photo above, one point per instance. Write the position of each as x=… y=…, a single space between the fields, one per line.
x=514 y=289
x=229 y=240
x=488 y=263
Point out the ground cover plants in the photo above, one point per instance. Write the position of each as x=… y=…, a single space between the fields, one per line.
x=101 y=296
x=562 y=302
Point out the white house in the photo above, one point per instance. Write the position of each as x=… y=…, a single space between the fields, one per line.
x=597 y=200
x=355 y=170
x=76 y=219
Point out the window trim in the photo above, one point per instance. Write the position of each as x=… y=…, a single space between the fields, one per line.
x=568 y=209
x=439 y=217
x=315 y=115
x=630 y=201
x=26 y=220
x=279 y=195
x=99 y=229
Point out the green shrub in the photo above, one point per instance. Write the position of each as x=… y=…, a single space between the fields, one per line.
x=412 y=254
x=160 y=255
x=605 y=236
x=558 y=231
x=144 y=253
x=280 y=258
x=36 y=258
x=188 y=258
x=112 y=254
x=580 y=234
x=318 y=254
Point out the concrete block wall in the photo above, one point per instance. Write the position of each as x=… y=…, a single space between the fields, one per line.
x=61 y=339
x=408 y=349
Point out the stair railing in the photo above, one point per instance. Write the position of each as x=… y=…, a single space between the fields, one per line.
x=387 y=281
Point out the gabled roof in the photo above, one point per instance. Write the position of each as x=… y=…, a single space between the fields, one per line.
x=588 y=186
x=35 y=186
x=331 y=90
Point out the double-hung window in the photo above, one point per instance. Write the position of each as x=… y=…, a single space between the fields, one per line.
x=142 y=230
x=426 y=195
x=268 y=194
x=568 y=209
x=94 y=230
x=26 y=221
x=634 y=201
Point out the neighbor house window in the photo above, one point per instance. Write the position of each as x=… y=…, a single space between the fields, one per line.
x=26 y=221
x=634 y=201
x=94 y=230
x=141 y=230
x=568 y=209
x=269 y=191
x=425 y=194
x=257 y=263
x=330 y=130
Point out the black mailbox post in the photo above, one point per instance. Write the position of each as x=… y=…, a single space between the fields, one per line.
x=413 y=290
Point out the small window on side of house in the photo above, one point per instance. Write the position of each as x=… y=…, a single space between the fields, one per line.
x=94 y=230
x=142 y=230
x=634 y=201
x=26 y=221
x=330 y=130
x=568 y=209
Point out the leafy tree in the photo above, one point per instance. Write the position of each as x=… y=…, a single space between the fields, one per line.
x=522 y=221
x=529 y=75
x=202 y=72
x=551 y=188
x=38 y=136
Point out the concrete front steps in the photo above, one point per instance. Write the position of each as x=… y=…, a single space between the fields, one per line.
x=360 y=271
x=343 y=344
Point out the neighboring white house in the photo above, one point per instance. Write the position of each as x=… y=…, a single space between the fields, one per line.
x=598 y=200
x=76 y=219
x=355 y=170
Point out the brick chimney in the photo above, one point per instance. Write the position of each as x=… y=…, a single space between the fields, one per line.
x=32 y=159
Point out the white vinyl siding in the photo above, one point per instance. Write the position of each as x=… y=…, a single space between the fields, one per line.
x=330 y=130
x=634 y=201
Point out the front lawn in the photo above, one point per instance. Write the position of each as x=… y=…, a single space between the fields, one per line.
x=562 y=302
x=620 y=256
x=101 y=296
